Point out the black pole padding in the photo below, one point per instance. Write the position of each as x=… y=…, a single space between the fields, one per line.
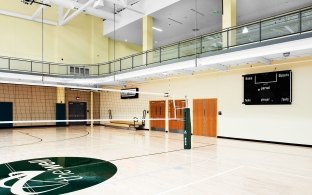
x=187 y=129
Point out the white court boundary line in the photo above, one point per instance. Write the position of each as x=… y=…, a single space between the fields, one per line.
x=201 y=180
x=278 y=172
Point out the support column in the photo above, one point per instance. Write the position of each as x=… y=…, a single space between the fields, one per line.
x=60 y=109
x=60 y=95
x=229 y=19
x=148 y=38
x=91 y=109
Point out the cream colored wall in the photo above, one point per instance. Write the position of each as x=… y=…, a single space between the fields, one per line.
x=79 y=42
x=280 y=123
x=124 y=109
x=122 y=49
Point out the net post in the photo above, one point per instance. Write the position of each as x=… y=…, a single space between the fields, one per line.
x=187 y=129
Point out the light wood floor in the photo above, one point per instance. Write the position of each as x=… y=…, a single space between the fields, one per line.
x=155 y=162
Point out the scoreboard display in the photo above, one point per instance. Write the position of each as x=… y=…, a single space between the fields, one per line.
x=268 y=88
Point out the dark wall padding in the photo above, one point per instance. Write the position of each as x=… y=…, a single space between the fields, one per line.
x=6 y=114
x=60 y=114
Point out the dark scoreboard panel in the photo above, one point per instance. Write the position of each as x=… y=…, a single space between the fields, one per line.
x=268 y=88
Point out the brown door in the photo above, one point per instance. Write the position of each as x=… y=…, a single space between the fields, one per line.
x=153 y=111
x=176 y=122
x=172 y=121
x=198 y=116
x=162 y=115
x=158 y=111
x=205 y=117
x=181 y=114
x=211 y=119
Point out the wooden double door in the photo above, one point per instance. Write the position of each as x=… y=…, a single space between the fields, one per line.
x=158 y=115
x=205 y=117
x=176 y=116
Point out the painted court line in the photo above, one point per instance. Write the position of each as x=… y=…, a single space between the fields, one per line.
x=279 y=172
x=265 y=151
x=160 y=170
x=199 y=181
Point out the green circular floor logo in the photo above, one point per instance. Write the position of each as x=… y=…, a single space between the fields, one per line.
x=57 y=175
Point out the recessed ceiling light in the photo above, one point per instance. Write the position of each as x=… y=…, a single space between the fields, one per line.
x=98 y=4
x=157 y=29
x=245 y=30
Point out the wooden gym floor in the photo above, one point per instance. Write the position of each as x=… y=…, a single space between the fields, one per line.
x=155 y=162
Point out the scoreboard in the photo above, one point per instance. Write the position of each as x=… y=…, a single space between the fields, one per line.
x=268 y=88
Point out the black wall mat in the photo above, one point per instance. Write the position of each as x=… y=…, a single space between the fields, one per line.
x=6 y=114
x=60 y=114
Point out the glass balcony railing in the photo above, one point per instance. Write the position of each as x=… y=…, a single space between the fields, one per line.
x=289 y=24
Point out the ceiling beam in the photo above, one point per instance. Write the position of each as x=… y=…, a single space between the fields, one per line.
x=38 y=12
x=60 y=15
x=69 y=4
x=25 y=17
x=67 y=13
x=76 y=13
x=124 y=4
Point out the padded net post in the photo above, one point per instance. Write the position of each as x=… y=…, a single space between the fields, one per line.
x=187 y=129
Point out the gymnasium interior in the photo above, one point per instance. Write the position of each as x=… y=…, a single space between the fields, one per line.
x=155 y=97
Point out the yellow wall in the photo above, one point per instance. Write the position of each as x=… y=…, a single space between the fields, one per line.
x=79 y=42
x=122 y=49
x=72 y=42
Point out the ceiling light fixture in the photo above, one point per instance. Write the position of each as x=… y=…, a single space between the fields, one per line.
x=157 y=29
x=245 y=30
x=98 y=4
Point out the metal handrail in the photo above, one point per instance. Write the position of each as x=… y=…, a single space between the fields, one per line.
x=162 y=54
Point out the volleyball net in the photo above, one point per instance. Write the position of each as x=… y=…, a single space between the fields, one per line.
x=48 y=105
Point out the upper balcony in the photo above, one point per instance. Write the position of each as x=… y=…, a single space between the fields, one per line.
x=285 y=28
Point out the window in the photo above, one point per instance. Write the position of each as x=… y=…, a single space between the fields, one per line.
x=79 y=71
x=72 y=70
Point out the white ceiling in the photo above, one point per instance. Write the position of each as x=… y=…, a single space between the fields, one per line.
x=209 y=19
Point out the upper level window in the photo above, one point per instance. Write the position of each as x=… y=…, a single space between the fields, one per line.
x=79 y=71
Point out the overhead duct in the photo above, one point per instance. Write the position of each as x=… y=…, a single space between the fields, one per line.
x=89 y=10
